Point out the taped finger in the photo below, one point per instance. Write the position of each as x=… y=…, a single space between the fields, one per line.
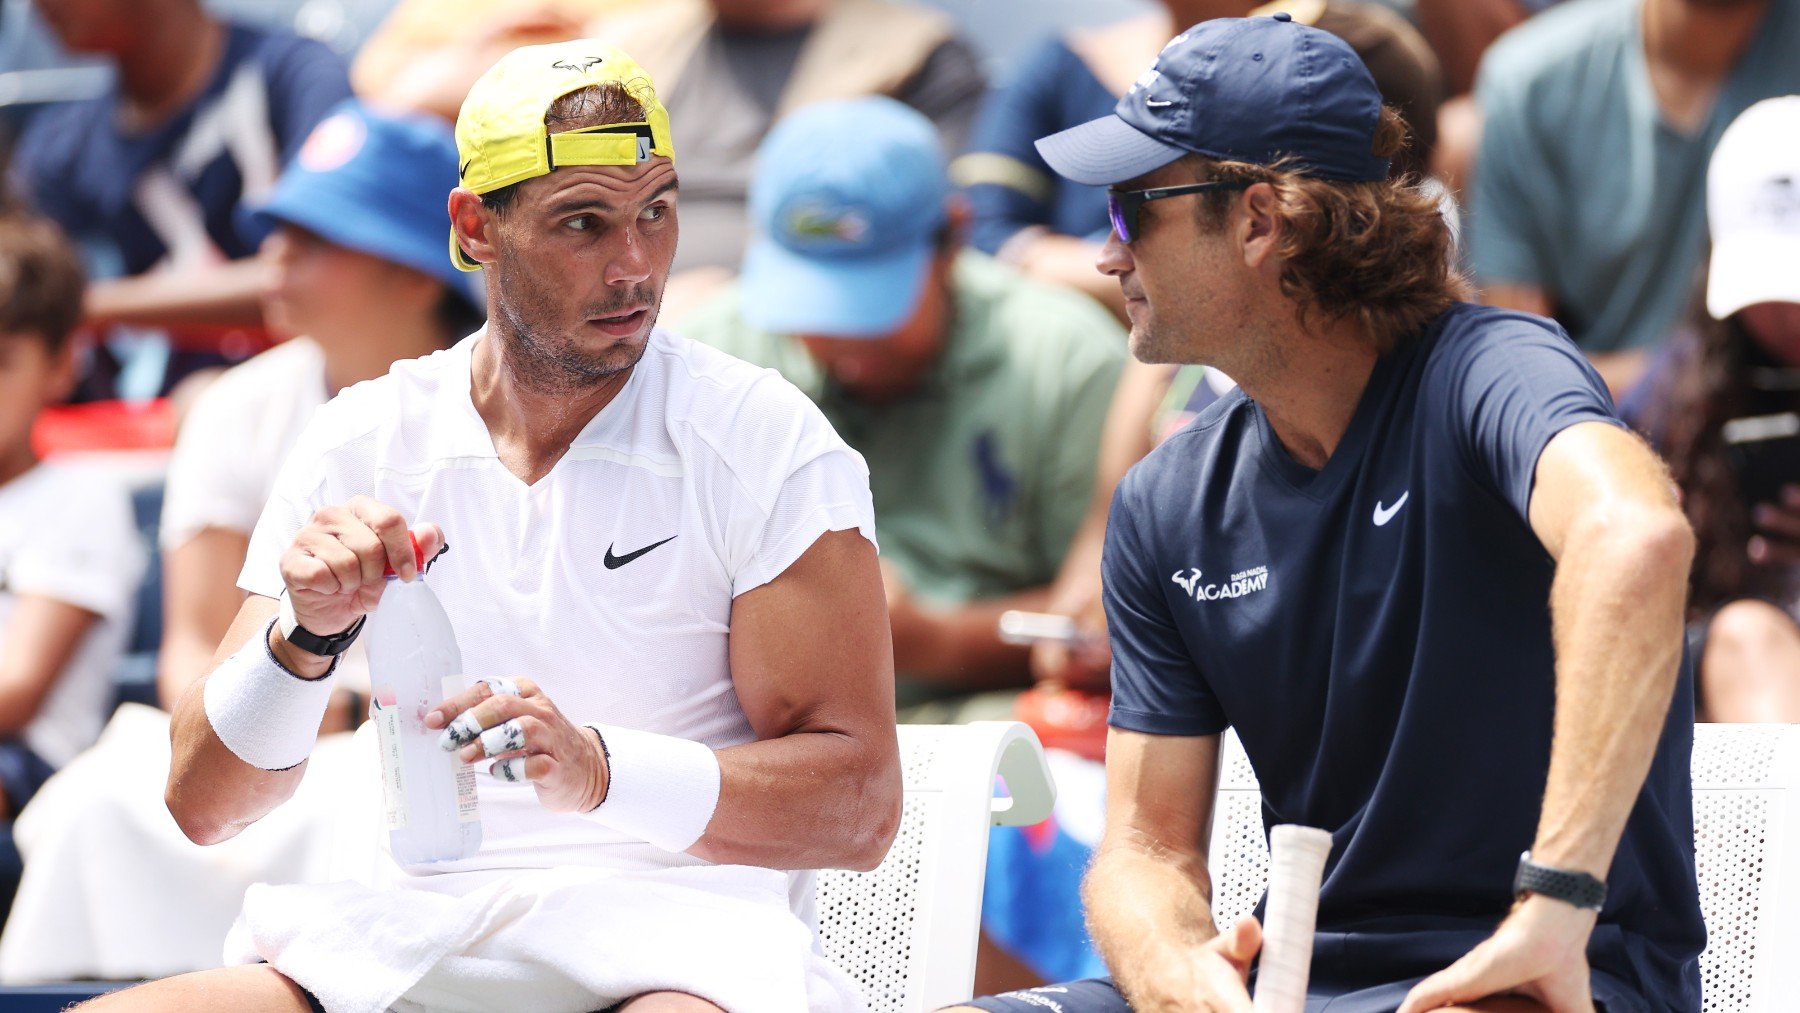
x=503 y=738
x=520 y=769
x=500 y=685
x=461 y=731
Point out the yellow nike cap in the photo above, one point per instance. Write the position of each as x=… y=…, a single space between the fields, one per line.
x=501 y=138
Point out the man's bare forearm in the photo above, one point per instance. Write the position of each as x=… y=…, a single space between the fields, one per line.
x=212 y=794
x=810 y=800
x=1617 y=605
x=1144 y=902
x=226 y=295
x=960 y=645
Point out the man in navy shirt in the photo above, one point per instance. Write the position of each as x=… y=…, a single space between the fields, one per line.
x=1414 y=560
x=150 y=176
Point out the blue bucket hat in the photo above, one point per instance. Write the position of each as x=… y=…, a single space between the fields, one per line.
x=1239 y=89
x=376 y=182
x=847 y=202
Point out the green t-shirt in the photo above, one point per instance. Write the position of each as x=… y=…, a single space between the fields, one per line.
x=981 y=473
x=1583 y=189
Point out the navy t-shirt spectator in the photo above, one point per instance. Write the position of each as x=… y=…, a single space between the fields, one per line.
x=1010 y=188
x=1379 y=634
x=170 y=192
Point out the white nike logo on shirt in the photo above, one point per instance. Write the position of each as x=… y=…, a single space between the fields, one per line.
x=1385 y=514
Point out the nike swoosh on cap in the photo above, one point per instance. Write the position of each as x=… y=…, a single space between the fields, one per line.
x=614 y=562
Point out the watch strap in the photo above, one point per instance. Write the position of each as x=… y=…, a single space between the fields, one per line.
x=325 y=646
x=1571 y=887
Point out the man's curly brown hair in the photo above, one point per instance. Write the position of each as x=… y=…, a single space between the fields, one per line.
x=1379 y=253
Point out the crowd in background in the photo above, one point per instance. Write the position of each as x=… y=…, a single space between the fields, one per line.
x=210 y=226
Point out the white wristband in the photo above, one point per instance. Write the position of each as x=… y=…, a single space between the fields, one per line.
x=266 y=715
x=660 y=789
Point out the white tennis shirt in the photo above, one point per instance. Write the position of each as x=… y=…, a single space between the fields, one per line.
x=67 y=533
x=728 y=466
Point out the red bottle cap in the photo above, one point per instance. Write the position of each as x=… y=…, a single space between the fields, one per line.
x=418 y=557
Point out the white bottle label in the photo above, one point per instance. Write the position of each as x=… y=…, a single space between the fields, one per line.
x=393 y=773
x=468 y=805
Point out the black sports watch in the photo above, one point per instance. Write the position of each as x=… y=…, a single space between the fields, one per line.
x=312 y=643
x=1577 y=888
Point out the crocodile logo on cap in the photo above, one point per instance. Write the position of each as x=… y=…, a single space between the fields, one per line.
x=814 y=222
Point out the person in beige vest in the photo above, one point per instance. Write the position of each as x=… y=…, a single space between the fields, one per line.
x=427 y=53
x=729 y=69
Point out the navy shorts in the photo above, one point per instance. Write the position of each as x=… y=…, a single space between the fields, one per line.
x=1099 y=995
x=1095 y=995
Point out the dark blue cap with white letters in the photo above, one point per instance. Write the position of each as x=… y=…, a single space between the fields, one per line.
x=1240 y=89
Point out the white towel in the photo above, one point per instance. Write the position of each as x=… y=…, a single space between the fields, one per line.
x=545 y=940
x=114 y=890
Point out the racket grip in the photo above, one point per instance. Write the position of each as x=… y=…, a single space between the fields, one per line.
x=1296 y=867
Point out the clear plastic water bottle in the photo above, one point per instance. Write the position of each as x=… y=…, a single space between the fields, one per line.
x=428 y=795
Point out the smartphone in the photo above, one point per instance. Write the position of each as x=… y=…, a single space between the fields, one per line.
x=1027 y=628
x=1765 y=451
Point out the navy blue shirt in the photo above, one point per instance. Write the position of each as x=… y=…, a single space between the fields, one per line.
x=1007 y=182
x=1378 y=632
x=172 y=190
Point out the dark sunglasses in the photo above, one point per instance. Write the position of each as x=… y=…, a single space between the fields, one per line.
x=1122 y=206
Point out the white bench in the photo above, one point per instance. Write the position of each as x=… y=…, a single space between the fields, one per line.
x=907 y=930
x=1747 y=850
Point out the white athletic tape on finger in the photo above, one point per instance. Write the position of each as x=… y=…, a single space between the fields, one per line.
x=266 y=715
x=661 y=789
x=500 y=685
x=510 y=770
x=503 y=738
x=460 y=733
x=1296 y=867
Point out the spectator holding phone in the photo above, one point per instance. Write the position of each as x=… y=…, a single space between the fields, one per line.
x=1740 y=358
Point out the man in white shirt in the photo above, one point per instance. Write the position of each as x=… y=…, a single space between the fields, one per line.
x=671 y=545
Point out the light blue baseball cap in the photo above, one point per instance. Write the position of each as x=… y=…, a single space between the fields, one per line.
x=847 y=201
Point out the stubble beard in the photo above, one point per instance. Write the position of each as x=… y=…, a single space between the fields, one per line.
x=1153 y=345
x=553 y=362
x=1240 y=353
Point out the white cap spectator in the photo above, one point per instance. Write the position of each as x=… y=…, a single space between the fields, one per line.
x=1753 y=209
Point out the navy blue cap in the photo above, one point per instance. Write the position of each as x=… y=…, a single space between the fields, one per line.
x=1239 y=89
x=376 y=182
